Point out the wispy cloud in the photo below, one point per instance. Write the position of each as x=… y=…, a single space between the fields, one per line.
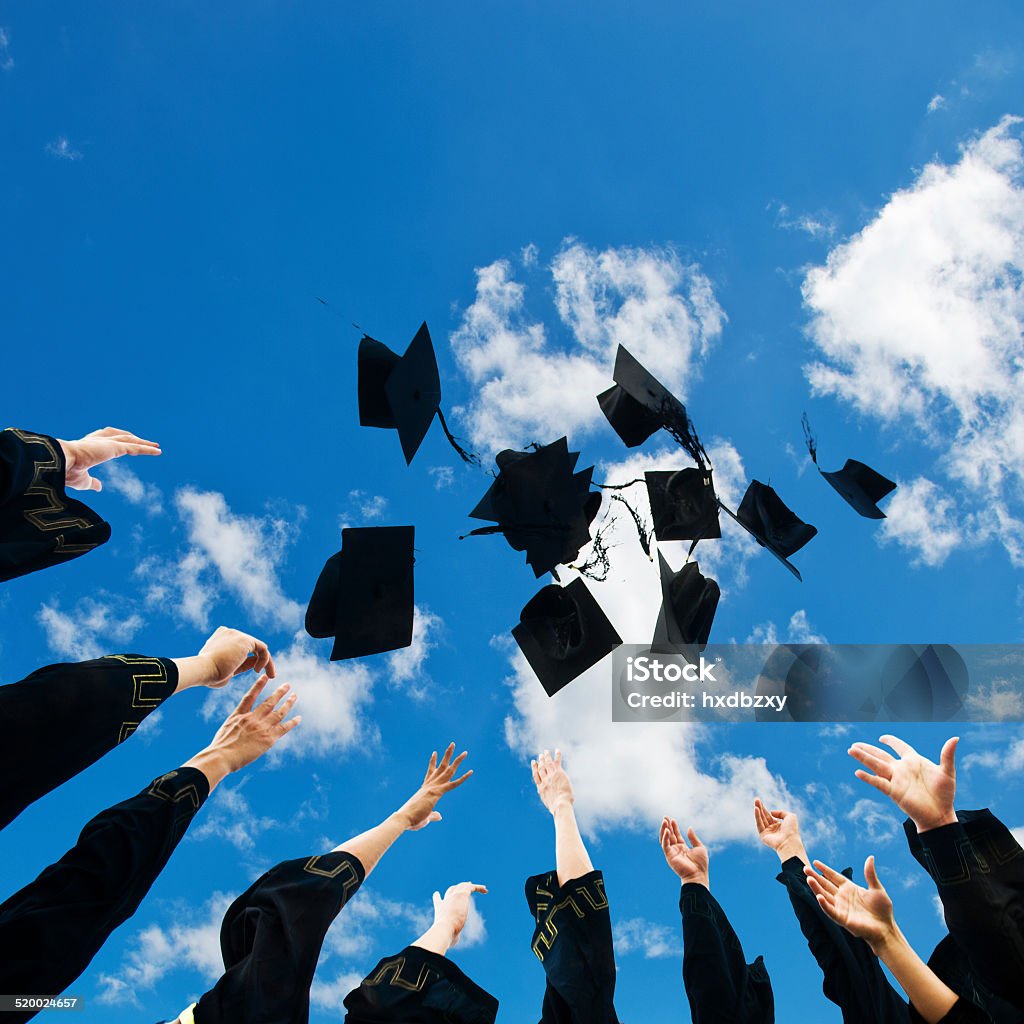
x=406 y=666
x=798 y=631
x=124 y=481
x=654 y=941
x=92 y=628
x=821 y=225
x=6 y=60
x=62 y=149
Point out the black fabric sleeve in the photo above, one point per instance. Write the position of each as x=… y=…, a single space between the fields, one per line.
x=417 y=986
x=962 y=1012
x=721 y=986
x=271 y=938
x=40 y=525
x=52 y=928
x=978 y=870
x=572 y=938
x=852 y=976
x=63 y=718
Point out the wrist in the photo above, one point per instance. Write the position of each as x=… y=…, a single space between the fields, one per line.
x=195 y=670
x=885 y=945
x=926 y=824
x=213 y=763
x=563 y=807
x=792 y=848
x=697 y=879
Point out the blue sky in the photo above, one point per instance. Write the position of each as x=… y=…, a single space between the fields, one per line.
x=780 y=209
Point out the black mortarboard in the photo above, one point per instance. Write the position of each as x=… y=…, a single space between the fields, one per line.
x=650 y=405
x=563 y=632
x=860 y=486
x=683 y=504
x=399 y=392
x=364 y=595
x=540 y=504
x=688 y=607
x=764 y=515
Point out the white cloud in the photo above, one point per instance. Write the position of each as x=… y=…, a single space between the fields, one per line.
x=192 y=941
x=91 y=629
x=330 y=995
x=661 y=308
x=919 y=319
x=924 y=519
x=62 y=149
x=443 y=477
x=799 y=631
x=230 y=817
x=406 y=664
x=123 y=481
x=654 y=941
x=369 y=506
x=334 y=699
x=937 y=102
x=872 y=822
x=1005 y=760
x=239 y=553
x=475 y=932
x=820 y=225
x=999 y=701
x=1018 y=834
x=6 y=60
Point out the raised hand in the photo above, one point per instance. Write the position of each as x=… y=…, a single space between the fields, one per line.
x=689 y=862
x=96 y=448
x=452 y=910
x=552 y=782
x=418 y=811
x=866 y=913
x=779 y=831
x=923 y=790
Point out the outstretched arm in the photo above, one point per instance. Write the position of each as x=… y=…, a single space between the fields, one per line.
x=868 y=914
x=921 y=789
x=451 y=912
x=416 y=813
x=555 y=791
x=780 y=831
x=228 y=653
x=96 y=448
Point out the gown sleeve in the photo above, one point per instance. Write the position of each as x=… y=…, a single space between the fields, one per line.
x=978 y=870
x=721 y=986
x=40 y=525
x=52 y=928
x=852 y=976
x=572 y=938
x=418 y=986
x=63 y=718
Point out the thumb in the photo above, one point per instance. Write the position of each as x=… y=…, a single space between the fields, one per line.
x=437 y=902
x=947 y=759
x=870 y=874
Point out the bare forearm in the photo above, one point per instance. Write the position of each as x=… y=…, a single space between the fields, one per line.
x=931 y=997
x=213 y=764
x=793 y=848
x=192 y=671
x=571 y=857
x=438 y=938
x=371 y=845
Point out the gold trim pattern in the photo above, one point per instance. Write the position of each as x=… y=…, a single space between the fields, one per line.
x=548 y=931
x=188 y=793
x=394 y=967
x=155 y=676
x=352 y=882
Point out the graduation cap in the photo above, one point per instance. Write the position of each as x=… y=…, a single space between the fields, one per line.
x=688 y=605
x=683 y=504
x=364 y=595
x=563 y=632
x=859 y=485
x=764 y=515
x=402 y=393
x=540 y=504
x=639 y=404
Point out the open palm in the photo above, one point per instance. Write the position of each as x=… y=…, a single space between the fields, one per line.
x=775 y=828
x=688 y=861
x=865 y=913
x=923 y=790
x=96 y=448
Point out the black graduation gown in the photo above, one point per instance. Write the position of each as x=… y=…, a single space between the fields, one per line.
x=572 y=938
x=721 y=986
x=418 y=986
x=40 y=525
x=62 y=718
x=977 y=1005
x=853 y=977
x=52 y=928
x=271 y=937
x=978 y=870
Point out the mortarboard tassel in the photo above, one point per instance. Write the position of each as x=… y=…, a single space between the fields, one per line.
x=470 y=458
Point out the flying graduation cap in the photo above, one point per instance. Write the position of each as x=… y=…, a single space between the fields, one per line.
x=540 y=504
x=563 y=632
x=764 y=515
x=683 y=504
x=364 y=595
x=859 y=485
x=402 y=393
x=639 y=404
x=688 y=605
